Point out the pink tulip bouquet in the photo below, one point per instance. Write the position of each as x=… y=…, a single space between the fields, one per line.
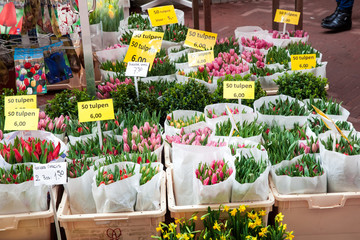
x=254 y=57
x=215 y=172
x=287 y=35
x=211 y=113
x=226 y=63
x=56 y=126
x=256 y=43
x=104 y=89
x=1 y=135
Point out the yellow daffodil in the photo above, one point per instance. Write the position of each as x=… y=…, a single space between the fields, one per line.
x=222 y=237
x=166 y=235
x=251 y=225
x=242 y=208
x=284 y=227
x=289 y=235
x=252 y=215
x=262 y=213
x=195 y=218
x=178 y=235
x=226 y=208
x=258 y=221
x=233 y=212
x=159 y=228
x=110 y=6
x=185 y=236
x=251 y=237
x=263 y=232
x=279 y=217
x=172 y=227
x=111 y=14
x=216 y=226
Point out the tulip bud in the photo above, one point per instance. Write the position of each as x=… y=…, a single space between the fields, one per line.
x=42 y=115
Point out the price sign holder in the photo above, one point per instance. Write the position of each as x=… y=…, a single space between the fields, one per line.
x=98 y=110
x=143 y=47
x=287 y=17
x=201 y=40
x=162 y=15
x=303 y=61
x=46 y=173
x=137 y=69
x=21 y=119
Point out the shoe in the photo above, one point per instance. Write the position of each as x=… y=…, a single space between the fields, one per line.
x=341 y=22
x=331 y=17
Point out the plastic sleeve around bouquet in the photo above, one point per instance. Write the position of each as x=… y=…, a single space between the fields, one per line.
x=119 y=196
x=286 y=121
x=149 y=196
x=343 y=171
x=171 y=131
x=298 y=185
x=259 y=189
x=217 y=193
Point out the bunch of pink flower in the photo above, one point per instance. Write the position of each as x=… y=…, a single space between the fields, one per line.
x=226 y=63
x=212 y=114
x=309 y=148
x=199 y=137
x=1 y=135
x=115 y=46
x=254 y=57
x=218 y=171
x=256 y=42
x=57 y=125
x=298 y=33
x=144 y=138
x=105 y=88
x=227 y=41
x=290 y=33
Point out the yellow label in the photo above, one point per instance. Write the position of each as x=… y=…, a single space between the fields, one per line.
x=201 y=40
x=285 y=16
x=98 y=110
x=20 y=102
x=303 y=61
x=239 y=90
x=21 y=119
x=143 y=47
x=162 y=15
x=329 y=123
x=200 y=58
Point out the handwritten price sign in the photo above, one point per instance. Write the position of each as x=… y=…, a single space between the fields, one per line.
x=99 y=110
x=201 y=40
x=285 y=16
x=20 y=102
x=239 y=90
x=50 y=174
x=303 y=61
x=137 y=69
x=162 y=15
x=200 y=58
x=21 y=119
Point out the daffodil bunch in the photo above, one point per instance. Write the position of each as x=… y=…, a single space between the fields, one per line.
x=215 y=172
x=181 y=229
x=283 y=107
x=111 y=14
x=184 y=121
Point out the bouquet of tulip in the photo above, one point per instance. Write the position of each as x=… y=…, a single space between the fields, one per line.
x=126 y=37
x=326 y=106
x=199 y=137
x=265 y=71
x=183 y=59
x=30 y=150
x=247 y=169
x=111 y=125
x=225 y=44
x=199 y=74
x=174 y=32
x=317 y=126
x=56 y=126
x=139 y=119
x=79 y=150
x=77 y=129
x=254 y=57
x=139 y=158
x=215 y=172
x=277 y=55
x=162 y=67
x=301 y=48
x=176 y=50
x=104 y=89
x=246 y=129
x=307 y=166
x=148 y=172
x=115 y=46
x=184 y=121
x=311 y=146
x=211 y=112
x=114 y=66
x=136 y=21
x=21 y=173
x=77 y=168
x=227 y=63
x=290 y=33
x=342 y=145
x=1 y=135
x=144 y=138
x=235 y=146
x=256 y=43
x=283 y=107
x=107 y=177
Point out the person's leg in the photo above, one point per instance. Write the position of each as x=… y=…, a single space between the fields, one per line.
x=331 y=17
x=342 y=20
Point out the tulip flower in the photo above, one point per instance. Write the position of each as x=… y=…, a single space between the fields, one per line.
x=212 y=174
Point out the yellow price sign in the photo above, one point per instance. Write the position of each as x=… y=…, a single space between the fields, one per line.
x=21 y=119
x=329 y=123
x=200 y=58
x=285 y=16
x=201 y=40
x=162 y=15
x=98 y=110
x=303 y=61
x=143 y=47
x=20 y=102
x=239 y=89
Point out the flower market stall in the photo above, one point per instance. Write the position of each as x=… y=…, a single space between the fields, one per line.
x=187 y=135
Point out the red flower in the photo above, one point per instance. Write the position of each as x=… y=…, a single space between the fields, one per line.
x=18 y=156
x=27 y=65
x=139 y=160
x=56 y=151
